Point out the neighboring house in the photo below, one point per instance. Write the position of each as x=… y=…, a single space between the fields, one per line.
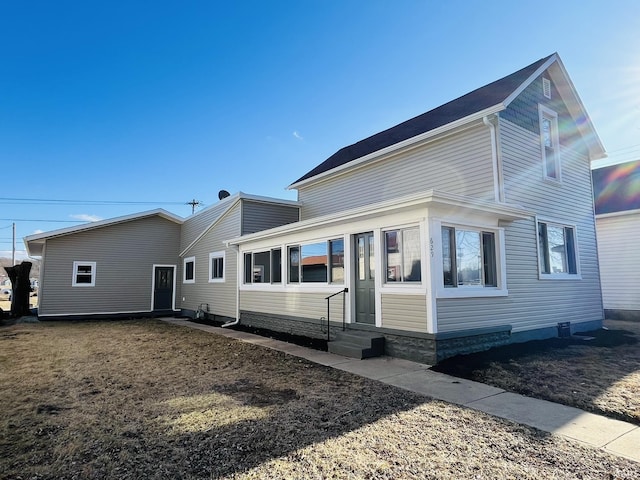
x=617 y=202
x=151 y=263
x=469 y=226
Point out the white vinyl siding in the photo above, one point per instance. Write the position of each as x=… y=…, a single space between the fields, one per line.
x=124 y=260
x=292 y=304
x=405 y=312
x=220 y=296
x=460 y=163
x=619 y=260
x=194 y=225
x=533 y=303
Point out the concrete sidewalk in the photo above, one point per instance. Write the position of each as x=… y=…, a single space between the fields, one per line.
x=614 y=436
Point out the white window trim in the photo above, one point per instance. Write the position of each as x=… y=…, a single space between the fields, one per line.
x=77 y=264
x=469 y=291
x=407 y=288
x=558 y=276
x=311 y=285
x=184 y=270
x=555 y=138
x=212 y=256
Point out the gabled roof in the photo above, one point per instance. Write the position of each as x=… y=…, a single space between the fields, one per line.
x=617 y=188
x=228 y=203
x=35 y=242
x=486 y=100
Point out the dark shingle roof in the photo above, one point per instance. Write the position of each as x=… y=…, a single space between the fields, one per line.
x=617 y=188
x=473 y=102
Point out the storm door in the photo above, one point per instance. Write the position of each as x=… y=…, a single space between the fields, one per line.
x=365 y=270
x=163 y=288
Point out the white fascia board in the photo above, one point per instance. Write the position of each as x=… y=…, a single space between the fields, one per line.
x=272 y=200
x=620 y=213
x=35 y=248
x=211 y=225
x=234 y=199
x=377 y=155
x=571 y=98
x=428 y=198
x=102 y=223
x=586 y=127
x=231 y=199
x=553 y=58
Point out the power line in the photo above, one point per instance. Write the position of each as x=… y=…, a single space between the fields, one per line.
x=39 y=220
x=53 y=201
x=194 y=203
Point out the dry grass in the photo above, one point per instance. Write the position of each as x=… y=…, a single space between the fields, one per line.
x=601 y=375
x=144 y=399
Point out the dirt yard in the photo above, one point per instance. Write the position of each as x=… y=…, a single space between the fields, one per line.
x=5 y=305
x=144 y=399
x=598 y=372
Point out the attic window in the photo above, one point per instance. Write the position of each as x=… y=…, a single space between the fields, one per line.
x=546 y=87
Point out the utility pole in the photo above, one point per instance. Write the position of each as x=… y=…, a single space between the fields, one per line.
x=13 y=244
x=194 y=203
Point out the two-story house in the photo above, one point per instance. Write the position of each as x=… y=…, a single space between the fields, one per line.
x=468 y=226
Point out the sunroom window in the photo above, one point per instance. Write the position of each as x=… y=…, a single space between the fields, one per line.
x=263 y=267
x=321 y=262
x=402 y=255
x=468 y=258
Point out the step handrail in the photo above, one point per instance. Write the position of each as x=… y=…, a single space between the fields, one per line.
x=343 y=291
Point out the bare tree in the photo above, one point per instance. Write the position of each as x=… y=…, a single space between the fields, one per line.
x=21 y=288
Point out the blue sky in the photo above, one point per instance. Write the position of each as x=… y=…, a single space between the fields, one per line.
x=152 y=104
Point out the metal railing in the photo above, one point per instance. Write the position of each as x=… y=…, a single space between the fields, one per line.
x=343 y=291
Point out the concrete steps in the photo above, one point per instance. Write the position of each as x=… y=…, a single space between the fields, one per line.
x=357 y=344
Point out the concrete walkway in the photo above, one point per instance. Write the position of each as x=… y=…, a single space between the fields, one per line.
x=614 y=436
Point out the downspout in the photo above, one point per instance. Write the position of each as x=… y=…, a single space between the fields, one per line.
x=498 y=189
x=236 y=248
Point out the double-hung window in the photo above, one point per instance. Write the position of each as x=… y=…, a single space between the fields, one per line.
x=84 y=274
x=469 y=258
x=189 y=270
x=550 y=143
x=557 y=250
x=216 y=267
x=263 y=267
x=402 y=255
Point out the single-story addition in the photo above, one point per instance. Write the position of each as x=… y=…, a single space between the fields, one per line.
x=151 y=263
x=466 y=227
x=617 y=201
